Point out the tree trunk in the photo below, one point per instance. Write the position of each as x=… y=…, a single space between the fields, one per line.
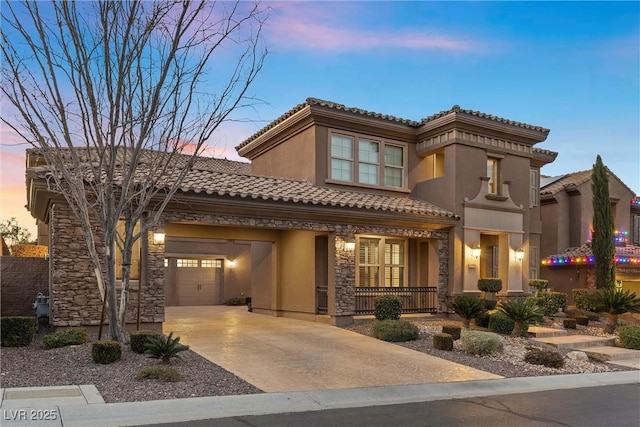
x=517 y=329
x=612 y=323
x=466 y=323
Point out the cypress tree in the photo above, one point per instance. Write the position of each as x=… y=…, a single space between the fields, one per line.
x=602 y=240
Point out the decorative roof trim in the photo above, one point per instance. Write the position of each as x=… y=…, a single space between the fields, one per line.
x=457 y=110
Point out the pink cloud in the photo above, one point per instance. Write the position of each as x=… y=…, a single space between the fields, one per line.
x=310 y=26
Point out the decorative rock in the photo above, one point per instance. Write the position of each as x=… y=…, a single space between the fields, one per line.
x=578 y=355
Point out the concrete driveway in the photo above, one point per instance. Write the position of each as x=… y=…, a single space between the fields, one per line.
x=278 y=354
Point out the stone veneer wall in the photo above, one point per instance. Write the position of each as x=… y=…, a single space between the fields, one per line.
x=21 y=279
x=345 y=260
x=75 y=299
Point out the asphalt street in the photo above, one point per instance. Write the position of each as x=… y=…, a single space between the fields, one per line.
x=606 y=406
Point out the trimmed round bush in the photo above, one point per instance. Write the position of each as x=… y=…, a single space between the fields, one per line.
x=482 y=320
x=17 y=331
x=551 y=302
x=453 y=330
x=490 y=284
x=161 y=374
x=539 y=284
x=106 y=351
x=584 y=299
x=140 y=338
x=501 y=324
x=395 y=330
x=443 y=342
x=480 y=343
x=490 y=304
x=548 y=358
x=387 y=307
x=629 y=336
x=235 y=301
x=65 y=337
x=569 y=323
x=582 y=320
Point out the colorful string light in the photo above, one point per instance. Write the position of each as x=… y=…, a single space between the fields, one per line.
x=587 y=260
x=635 y=202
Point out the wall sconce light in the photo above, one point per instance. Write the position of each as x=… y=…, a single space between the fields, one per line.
x=158 y=238
x=350 y=245
x=231 y=263
x=519 y=253
x=475 y=250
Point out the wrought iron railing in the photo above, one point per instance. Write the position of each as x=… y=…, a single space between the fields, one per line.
x=414 y=299
x=322 y=299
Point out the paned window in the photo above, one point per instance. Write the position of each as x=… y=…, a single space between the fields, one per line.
x=492 y=173
x=381 y=255
x=186 y=262
x=211 y=263
x=534 y=260
x=534 y=188
x=636 y=229
x=367 y=161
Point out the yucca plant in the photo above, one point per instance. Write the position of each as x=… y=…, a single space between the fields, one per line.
x=467 y=307
x=615 y=302
x=520 y=310
x=164 y=348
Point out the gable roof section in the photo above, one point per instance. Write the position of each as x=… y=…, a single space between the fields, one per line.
x=583 y=255
x=557 y=184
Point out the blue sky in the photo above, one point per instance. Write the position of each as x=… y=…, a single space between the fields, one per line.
x=571 y=67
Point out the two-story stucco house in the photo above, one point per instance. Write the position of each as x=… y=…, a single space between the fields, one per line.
x=337 y=205
x=567 y=218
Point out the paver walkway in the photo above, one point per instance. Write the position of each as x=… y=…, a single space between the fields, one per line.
x=279 y=354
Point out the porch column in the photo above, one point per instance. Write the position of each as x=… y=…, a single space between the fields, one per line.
x=342 y=292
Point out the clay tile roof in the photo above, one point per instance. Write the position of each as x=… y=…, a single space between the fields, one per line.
x=248 y=186
x=329 y=105
x=456 y=109
x=630 y=251
x=556 y=184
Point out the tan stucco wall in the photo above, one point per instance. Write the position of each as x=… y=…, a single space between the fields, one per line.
x=297 y=271
x=294 y=158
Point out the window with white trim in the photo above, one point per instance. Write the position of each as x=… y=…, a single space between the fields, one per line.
x=368 y=161
x=493 y=172
x=186 y=262
x=211 y=263
x=381 y=262
x=636 y=229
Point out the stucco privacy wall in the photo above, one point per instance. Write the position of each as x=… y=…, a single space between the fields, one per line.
x=342 y=302
x=74 y=291
x=21 y=279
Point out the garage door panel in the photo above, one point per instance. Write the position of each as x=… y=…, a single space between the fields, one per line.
x=199 y=285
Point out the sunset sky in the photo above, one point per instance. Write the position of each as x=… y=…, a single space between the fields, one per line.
x=571 y=67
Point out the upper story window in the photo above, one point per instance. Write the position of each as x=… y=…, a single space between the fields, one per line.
x=636 y=230
x=363 y=160
x=435 y=164
x=493 y=174
x=534 y=188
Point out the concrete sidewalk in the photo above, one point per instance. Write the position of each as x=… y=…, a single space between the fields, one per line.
x=202 y=408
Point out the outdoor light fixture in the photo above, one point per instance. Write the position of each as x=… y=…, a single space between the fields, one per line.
x=475 y=250
x=519 y=254
x=231 y=263
x=350 y=245
x=158 y=238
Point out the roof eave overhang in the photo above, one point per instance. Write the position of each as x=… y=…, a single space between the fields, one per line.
x=533 y=136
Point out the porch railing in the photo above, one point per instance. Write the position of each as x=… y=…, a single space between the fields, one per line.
x=414 y=299
x=322 y=299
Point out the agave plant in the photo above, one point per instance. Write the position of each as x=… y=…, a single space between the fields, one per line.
x=467 y=307
x=615 y=302
x=164 y=348
x=520 y=310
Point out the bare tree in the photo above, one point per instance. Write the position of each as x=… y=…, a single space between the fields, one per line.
x=113 y=94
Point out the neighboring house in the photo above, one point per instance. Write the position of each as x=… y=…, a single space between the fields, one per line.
x=337 y=206
x=567 y=215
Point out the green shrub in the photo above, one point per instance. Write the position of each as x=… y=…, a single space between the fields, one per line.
x=106 y=351
x=480 y=343
x=615 y=302
x=548 y=358
x=490 y=304
x=574 y=312
x=443 y=342
x=467 y=307
x=483 y=319
x=490 y=284
x=237 y=301
x=164 y=348
x=582 y=320
x=629 y=336
x=551 y=302
x=501 y=324
x=388 y=307
x=521 y=311
x=139 y=339
x=160 y=373
x=539 y=285
x=569 y=323
x=17 y=331
x=395 y=330
x=453 y=330
x=65 y=337
x=584 y=299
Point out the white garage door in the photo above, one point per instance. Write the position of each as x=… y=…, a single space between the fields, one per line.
x=199 y=281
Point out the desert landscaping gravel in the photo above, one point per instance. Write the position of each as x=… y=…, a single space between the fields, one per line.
x=34 y=366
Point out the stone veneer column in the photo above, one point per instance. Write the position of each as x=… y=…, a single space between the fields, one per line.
x=443 y=271
x=153 y=291
x=345 y=274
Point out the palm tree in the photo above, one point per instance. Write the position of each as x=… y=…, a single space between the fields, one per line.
x=520 y=310
x=467 y=307
x=615 y=302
